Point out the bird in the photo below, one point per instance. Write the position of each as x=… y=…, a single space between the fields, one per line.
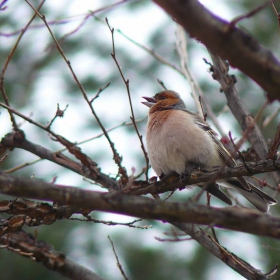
x=180 y=141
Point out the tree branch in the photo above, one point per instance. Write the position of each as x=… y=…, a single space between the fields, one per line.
x=239 y=219
x=230 y=43
x=174 y=181
x=237 y=107
x=233 y=261
x=17 y=140
x=26 y=245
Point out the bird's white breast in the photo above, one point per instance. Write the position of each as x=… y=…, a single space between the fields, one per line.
x=173 y=140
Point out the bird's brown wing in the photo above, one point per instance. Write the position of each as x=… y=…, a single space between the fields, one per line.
x=224 y=154
x=261 y=200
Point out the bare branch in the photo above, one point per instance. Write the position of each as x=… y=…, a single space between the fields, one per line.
x=2 y=147
x=117 y=258
x=16 y=139
x=248 y=15
x=239 y=219
x=92 y=13
x=177 y=182
x=237 y=107
x=126 y=82
x=270 y=118
x=230 y=259
x=233 y=45
x=26 y=245
x=2 y=5
x=276 y=12
x=181 y=47
x=59 y=113
x=117 y=158
x=2 y=87
x=98 y=93
x=275 y=144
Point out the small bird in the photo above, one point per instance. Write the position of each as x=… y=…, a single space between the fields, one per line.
x=180 y=141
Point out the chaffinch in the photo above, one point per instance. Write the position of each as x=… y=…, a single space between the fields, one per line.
x=180 y=141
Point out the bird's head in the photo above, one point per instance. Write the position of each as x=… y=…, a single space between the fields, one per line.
x=165 y=100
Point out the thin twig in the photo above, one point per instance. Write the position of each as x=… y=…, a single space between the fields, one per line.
x=236 y=149
x=180 y=71
x=196 y=92
x=126 y=82
x=212 y=228
x=92 y=13
x=275 y=144
x=151 y=52
x=162 y=84
x=250 y=129
x=270 y=118
x=251 y=125
x=276 y=12
x=111 y=223
x=99 y=91
x=117 y=158
x=201 y=106
x=2 y=88
x=247 y=15
x=181 y=47
x=87 y=167
x=3 y=158
x=59 y=113
x=2 y=5
x=176 y=239
x=118 y=262
x=85 y=17
x=18 y=167
x=14 y=111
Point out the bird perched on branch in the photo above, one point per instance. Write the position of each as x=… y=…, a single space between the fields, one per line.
x=180 y=141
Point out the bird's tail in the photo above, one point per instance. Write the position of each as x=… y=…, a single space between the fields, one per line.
x=258 y=198
x=214 y=189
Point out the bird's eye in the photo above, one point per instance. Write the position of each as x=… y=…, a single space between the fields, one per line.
x=160 y=97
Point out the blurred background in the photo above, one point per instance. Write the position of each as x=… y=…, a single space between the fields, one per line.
x=37 y=79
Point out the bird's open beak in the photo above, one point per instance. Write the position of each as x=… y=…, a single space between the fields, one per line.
x=150 y=101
